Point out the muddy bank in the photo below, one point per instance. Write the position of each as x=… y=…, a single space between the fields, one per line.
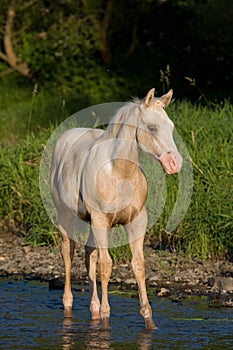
x=166 y=273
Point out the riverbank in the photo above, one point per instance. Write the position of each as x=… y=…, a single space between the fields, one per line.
x=166 y=273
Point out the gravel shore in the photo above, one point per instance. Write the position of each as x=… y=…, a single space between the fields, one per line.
x=166 y=273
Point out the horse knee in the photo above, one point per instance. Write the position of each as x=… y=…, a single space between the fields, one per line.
x=138 y=266
x=105 y=267
x=67 y=248
x=145 y=311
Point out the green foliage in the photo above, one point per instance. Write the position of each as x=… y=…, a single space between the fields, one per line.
x=65 y=44
x=121 y=253
x=26 y=109
x=31 y=107
x=21 y=207
x=67 y=47
x=206 y=229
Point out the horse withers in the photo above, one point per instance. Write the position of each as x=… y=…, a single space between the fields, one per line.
x=96 y=176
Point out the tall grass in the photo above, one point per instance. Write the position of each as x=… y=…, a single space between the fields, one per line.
x=21 y=207
x=205 y=231
x=207 y=227
x=29 y=108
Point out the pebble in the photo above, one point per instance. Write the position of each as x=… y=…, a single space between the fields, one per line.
x=164 y=292
x=130 y=281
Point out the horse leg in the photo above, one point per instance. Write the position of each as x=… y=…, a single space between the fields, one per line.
x=91 y=256
x=105 y=269
x=136 y=239
x=138 y=267
x=67 y=251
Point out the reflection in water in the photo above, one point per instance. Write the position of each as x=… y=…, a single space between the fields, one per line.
x=67 y=334
x=91 y=335
x=94 y=337
x=98 y=338
x=145 y=340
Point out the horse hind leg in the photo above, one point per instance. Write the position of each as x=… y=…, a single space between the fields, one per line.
x=67 y=250
x=91 y=257
x=105 y=269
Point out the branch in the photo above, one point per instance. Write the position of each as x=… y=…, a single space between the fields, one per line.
x=102 y=27
x=10 y=56
x=134 y=39
x=28 y=4
x=108 y=15
x=6 y=72
x=3 y=57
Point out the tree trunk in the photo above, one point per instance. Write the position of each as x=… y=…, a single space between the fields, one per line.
x=10 y=56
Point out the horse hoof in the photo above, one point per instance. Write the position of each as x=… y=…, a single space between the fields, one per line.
x=105 y=324
x=68 y=312
x=95 y=316
x=150 y=324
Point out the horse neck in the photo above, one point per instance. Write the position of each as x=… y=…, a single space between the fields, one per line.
x=124 y=150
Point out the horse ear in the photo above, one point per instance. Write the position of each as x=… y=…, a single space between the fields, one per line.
x=166 y=99
x=149 y=98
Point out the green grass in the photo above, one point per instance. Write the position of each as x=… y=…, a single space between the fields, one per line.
x=27 y=109
x=21 y=207
x=208 y=133
x=206 y=229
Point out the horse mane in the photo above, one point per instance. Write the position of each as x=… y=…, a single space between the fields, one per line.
x=129 y=111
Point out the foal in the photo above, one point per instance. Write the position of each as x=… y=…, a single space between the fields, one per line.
x=96 y=176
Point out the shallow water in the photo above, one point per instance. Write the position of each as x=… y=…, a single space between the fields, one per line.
x=32 y=318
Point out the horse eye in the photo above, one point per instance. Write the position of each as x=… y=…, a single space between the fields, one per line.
x=152 y=128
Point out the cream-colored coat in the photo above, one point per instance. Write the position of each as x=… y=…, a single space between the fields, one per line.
x=96 y=176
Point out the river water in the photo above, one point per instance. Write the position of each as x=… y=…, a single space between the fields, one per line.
x=32 y=318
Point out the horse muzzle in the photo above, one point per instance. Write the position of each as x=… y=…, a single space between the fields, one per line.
x=171 y=162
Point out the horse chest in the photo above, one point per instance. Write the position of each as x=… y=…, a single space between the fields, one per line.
x=127 y=190
x=116 y=199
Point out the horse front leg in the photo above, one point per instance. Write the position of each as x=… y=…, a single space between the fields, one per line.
x=138 y=267
x=91 y=257
x=105 y=269
x=67 y=250
x=136 y=235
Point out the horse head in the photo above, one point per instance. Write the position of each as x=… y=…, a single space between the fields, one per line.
x=155 y=132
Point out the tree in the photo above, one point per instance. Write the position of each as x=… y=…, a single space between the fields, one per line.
x=81 y=43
